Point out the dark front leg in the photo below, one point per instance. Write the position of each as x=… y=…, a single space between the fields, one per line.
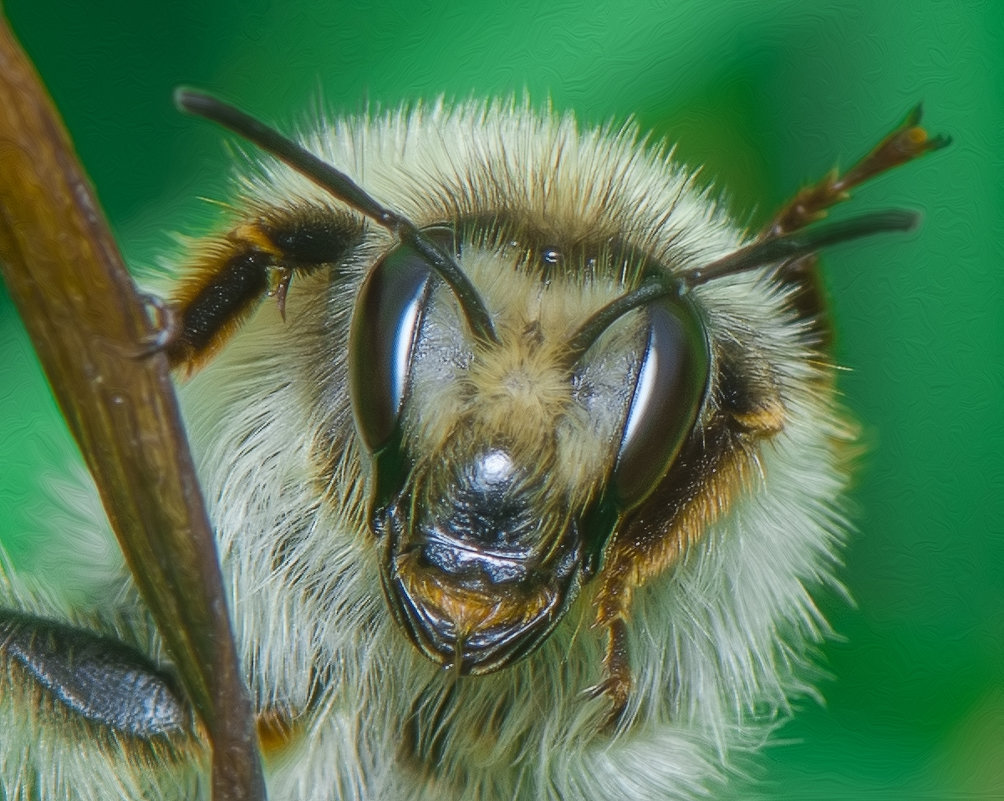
x=91 y=678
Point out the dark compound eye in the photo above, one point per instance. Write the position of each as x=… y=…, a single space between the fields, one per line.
x=385 y=327
x=671 y=384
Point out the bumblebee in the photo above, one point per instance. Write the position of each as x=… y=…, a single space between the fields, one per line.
x=522 y=486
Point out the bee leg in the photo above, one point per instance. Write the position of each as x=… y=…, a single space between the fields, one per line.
x=91 y=678
x=613 y=601
x=257 y=259
x=905 y=143
x=617 y=681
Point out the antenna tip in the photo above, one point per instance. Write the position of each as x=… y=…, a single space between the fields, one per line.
x=897 y=220
x=192 y=101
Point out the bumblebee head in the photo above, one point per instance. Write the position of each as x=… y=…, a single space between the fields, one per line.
x=523 y=393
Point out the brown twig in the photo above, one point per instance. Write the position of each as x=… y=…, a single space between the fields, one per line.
x=92 y=331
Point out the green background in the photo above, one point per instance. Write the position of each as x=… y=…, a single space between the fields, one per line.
x=765 y=96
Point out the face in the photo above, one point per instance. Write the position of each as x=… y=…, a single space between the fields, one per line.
x=503 y=465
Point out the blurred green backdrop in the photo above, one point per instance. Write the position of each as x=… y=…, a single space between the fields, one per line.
x=765 y=96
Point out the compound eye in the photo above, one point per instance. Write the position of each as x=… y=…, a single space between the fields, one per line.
x=385 y=328
x=671 y=385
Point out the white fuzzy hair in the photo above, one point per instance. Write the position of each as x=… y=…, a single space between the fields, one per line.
x=719 y=643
